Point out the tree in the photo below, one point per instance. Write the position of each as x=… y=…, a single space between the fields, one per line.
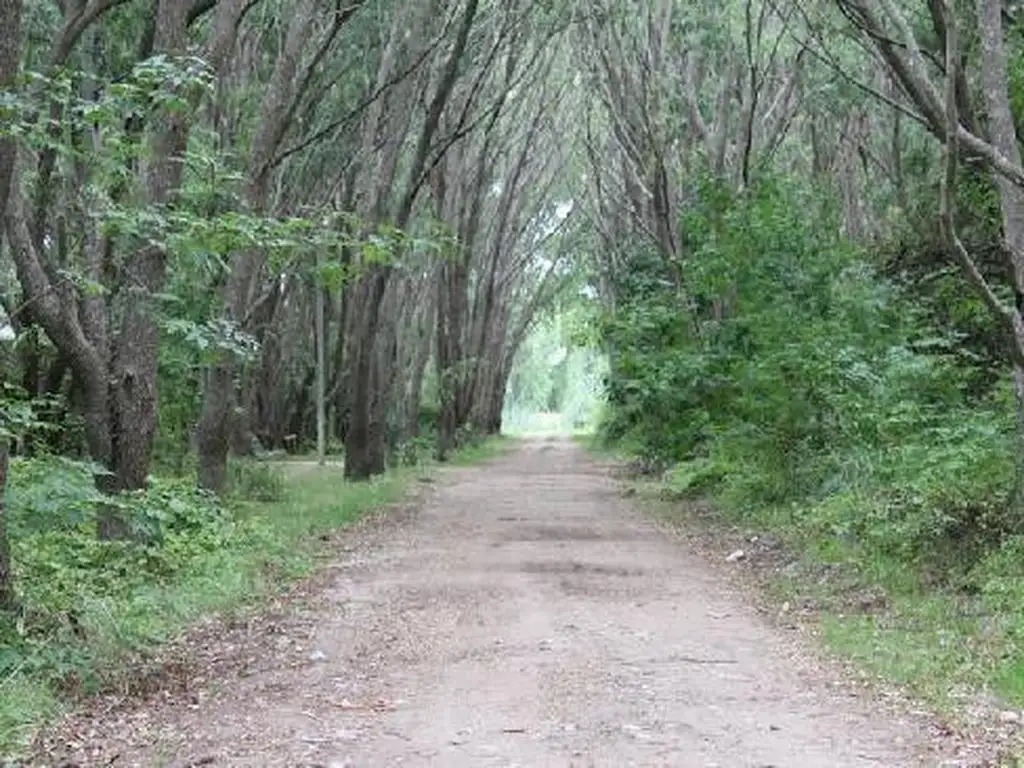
x=944 y=118
x=10 y=65
x=114 y=364
x=288 y=84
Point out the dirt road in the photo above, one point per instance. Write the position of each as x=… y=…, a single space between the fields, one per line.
x=525 y=616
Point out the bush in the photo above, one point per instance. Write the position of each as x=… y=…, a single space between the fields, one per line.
x=50 y=493
x=60 y=564
x=806 y=381
x=82 y=600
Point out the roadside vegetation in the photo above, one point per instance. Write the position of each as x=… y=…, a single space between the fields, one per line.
x=234 y=235
x=836 y=417
x=821 y=337
x=94 y=614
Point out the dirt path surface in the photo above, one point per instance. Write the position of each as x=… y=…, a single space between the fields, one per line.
x=525 y=616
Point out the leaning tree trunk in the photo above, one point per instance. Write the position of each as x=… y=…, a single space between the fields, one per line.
x=1003 y=132
x=364 y=455
x=277 y=105
x=7 y=594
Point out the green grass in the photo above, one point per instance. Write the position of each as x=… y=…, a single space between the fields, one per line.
x=277 y=543
x=24 y=704
x=940 y=645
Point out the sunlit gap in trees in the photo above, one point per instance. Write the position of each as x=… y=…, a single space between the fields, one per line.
x=557 y=381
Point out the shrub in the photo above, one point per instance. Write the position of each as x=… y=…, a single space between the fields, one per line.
x=71 y=585
x=807 y=381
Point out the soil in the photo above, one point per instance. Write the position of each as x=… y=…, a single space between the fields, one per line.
x=520 y=613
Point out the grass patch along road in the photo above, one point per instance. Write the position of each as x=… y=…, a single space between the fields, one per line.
x=955 y=652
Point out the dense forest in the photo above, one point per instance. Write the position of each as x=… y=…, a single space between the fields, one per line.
x=773 y=248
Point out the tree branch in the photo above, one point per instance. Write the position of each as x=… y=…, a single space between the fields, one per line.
x=1009 y=317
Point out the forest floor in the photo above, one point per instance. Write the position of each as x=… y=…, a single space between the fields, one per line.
x=526 y=613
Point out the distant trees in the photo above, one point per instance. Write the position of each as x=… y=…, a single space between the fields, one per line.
x=179 y=186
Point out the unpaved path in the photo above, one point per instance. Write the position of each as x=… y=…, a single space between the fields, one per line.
x=525 y=616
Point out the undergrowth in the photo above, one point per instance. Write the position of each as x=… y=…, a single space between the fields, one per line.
x=90 y=611
x=813 y=397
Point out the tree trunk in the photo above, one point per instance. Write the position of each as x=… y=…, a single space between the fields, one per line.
x=1003 y=133
x=10 y=63
x=412 y=414
x=133 y=382
x=8 y=597
x=364 y=443
x=388 y=401
x=493 y=423
x=212 y=432
x=448 y=354
x=383 y=391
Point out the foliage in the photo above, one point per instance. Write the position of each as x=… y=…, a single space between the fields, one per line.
x=816 y=397
x=257 y=481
